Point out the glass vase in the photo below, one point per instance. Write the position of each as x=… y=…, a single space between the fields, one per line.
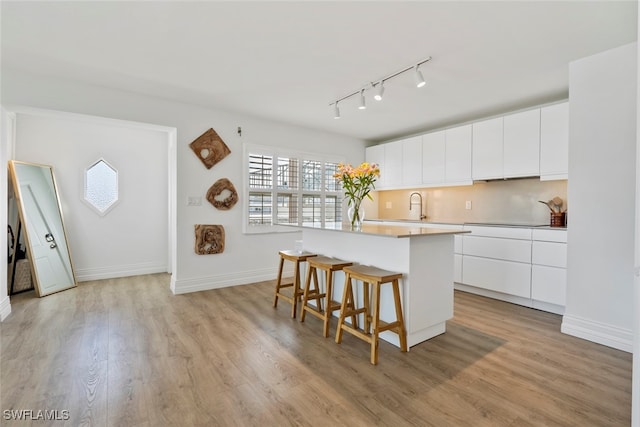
x=356 y=216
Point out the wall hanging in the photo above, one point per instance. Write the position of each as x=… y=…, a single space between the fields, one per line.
x=210 y=148
x=222 y=194
x=209 y=239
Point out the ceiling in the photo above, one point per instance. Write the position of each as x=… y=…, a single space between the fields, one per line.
x=287 y=61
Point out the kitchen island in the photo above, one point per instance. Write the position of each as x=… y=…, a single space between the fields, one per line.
x=423 y=255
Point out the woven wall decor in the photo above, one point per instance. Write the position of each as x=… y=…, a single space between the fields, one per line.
x=222 y=194
x=209 y=239
x=210 y=148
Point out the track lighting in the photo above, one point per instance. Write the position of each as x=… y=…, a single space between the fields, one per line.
x=379 y=91
x=379 y=87
x=419 y=79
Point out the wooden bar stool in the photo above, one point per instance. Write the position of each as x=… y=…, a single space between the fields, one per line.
x=329 y=266
x=372 y=324
x=297 y=258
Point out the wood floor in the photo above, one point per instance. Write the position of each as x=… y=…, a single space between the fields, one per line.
x=126 y=352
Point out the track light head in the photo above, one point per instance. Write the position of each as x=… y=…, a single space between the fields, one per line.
x=336 y=111
x=419 y=79
x=362 y=105
x=379 y=91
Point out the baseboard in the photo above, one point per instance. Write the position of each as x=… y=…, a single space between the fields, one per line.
x=115 y=271
x=601 y=333
x=197 y=284
x=5 y=308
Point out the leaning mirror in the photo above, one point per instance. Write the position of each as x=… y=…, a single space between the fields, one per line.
x=40 y=214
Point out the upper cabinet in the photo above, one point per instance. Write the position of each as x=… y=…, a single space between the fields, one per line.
x=525 y=144
x=554 y=142
x=488 y=140
x=412 y=161
x=522 y=144
x=375 y=154
x=457 y=170
x=433 y=158
x=393 y=164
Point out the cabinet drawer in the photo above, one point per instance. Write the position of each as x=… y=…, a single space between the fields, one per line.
x=549 y=284
x=550 y=235
x=511 y=278
x=506 y=232
x=503 y=249
x=550 y=254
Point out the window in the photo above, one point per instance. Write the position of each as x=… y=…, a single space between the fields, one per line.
x=289 y=189
x=101 y=186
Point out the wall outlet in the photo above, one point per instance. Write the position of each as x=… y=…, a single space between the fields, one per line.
x=388 y=205
x=194 y=201
x=467 y=205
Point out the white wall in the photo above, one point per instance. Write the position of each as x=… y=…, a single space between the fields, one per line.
x=602 y=167
x=130 y=239
x=247 y=258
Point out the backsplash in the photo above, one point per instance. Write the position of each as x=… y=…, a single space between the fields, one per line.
x=494 y=201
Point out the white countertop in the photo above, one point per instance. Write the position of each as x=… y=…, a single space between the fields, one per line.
x=396 y=231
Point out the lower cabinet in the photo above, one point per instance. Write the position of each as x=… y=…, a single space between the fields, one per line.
x=507 y=277
x=526 y=266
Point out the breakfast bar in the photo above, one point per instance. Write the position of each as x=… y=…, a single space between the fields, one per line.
x=424 y=256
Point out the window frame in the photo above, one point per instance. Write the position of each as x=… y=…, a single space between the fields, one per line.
x=299 y=193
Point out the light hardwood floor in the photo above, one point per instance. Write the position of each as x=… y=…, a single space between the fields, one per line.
x=126 y=352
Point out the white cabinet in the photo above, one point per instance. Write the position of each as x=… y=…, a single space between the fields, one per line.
x=375 y=154
x=548 y=270
x=458 y=155
x=522 y=144
x=488 y=140
x=446 y=157
x=393 y=163
x=498 y=259
x=433 y=158
x=554 y=142
x=412 y=161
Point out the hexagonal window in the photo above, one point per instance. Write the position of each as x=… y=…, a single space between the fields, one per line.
x=101 y=186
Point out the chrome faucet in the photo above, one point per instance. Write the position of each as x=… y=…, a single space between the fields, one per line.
x=420 y=204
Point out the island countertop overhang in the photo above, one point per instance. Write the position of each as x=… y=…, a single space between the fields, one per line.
x=393 y=231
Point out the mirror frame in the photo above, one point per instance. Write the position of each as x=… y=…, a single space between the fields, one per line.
x=25 y=227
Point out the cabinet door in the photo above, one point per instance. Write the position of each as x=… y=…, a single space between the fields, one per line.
x=458 y=155
x=412 y=161
x=522 y=144
x=513 y=278
x=554 y=142
x=549 y=284
x=375 y=154
x=487 y=149
x=433 y=158
x=393 y=163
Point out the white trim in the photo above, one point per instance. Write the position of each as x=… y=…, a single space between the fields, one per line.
x=601 y=333
x=112 y=272
x=5 y=308
x=244 y=277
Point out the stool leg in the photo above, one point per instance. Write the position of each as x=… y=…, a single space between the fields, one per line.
x=316 y=290
x=296 y=290
x=344 y=306
x=352 y=305
x=402 y=331
x=327 y=303
x=278 y=282
x=367 y=307
x=376 y=323
x=305 y=296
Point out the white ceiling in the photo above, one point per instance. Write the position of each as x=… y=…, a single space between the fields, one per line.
x=287 y=61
